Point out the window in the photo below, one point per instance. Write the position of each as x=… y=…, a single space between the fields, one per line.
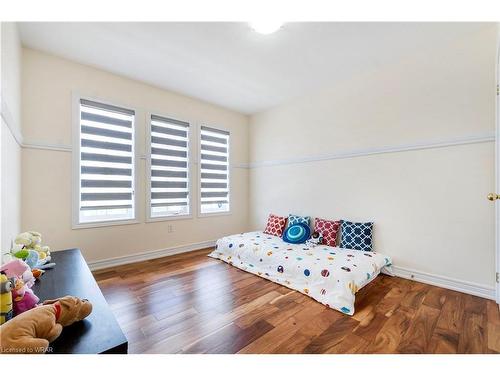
x=169 y=168
x=105 y=163
x=214 y=170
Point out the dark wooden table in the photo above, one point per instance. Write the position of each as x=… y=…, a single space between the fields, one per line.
x=99 y=332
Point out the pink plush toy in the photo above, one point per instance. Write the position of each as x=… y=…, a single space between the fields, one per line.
x=23 y=298
x=19 y=269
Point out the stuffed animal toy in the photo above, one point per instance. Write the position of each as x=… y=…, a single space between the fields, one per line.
x=6 y=256
x=32 y=259
x=315 y=240
x=29 y=246
x=6 y=286
x=19 y=269
x=32 y=331
x=37 y=273
x=35 y=262
x=22 y=279
x=22 y=297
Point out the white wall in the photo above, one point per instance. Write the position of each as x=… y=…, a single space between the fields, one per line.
x=10 y=135
x=429 y=206
x=48 y=83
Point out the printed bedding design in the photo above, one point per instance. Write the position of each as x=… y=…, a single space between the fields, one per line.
x=330 y=275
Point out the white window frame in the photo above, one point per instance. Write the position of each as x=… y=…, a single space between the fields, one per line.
x=150 y=219
x=76 y=175
x=229 y=174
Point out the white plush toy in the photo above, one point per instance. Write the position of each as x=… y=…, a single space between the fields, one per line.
x=30 y=242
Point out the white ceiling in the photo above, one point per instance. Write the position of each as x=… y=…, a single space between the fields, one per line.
x=231 y=65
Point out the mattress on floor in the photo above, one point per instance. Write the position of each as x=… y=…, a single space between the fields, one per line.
x=330 y=275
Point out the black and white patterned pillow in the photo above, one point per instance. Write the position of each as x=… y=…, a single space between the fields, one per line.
x=356 y=236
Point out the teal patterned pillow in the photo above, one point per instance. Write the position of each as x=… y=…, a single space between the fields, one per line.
x=296 y=219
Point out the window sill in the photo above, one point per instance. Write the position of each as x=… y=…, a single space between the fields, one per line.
x=105 y=224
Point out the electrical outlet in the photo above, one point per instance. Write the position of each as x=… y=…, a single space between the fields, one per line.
x=170 y=228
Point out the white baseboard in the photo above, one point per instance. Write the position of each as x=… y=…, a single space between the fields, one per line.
x=479 y=290
x=118 y=261
x=467 y=287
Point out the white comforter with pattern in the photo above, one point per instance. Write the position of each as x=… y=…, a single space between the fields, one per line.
x=330 y=275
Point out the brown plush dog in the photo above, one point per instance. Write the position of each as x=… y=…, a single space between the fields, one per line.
x=33 y=330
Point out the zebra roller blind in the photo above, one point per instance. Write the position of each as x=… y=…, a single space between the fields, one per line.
x=106 y=162
x=169 y=172
x=214 y=170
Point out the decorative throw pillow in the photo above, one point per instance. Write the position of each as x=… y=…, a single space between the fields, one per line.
x=328 y=229
x=296 y=219
x=297 y=233
x=275 y=225
x=356 y=236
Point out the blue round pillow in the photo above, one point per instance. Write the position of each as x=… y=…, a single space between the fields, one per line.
x=297 y=233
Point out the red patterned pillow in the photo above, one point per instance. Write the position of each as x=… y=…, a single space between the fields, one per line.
x=328 y=229
x=275 y=225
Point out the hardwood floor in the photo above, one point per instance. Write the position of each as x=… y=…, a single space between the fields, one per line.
x=190 y=303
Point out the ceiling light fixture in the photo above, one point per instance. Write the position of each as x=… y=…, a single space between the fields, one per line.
x=266 y=27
